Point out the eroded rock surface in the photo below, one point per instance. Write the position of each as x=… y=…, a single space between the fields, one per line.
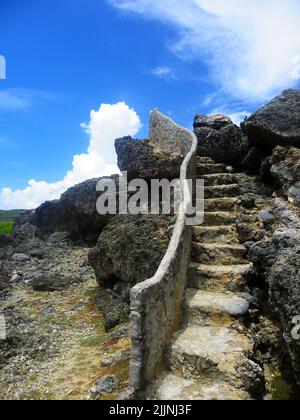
x=140 y=159
x=166 y=136
x=277 y=260
x=221 y=140
x=285 y=167
x=277 y=123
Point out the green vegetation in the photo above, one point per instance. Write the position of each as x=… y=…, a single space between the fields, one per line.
x=9 y=215
x=7 y=218
x=281 y=390
x=6 y=227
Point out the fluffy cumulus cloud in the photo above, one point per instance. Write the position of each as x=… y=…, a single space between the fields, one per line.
x=252 y=47
x=106 y=124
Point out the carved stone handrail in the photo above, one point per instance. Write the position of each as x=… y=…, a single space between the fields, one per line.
x=156 y=304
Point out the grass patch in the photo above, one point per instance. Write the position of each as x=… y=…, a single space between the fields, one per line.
x=281 y=391
x=94 y=341
x=6 y=227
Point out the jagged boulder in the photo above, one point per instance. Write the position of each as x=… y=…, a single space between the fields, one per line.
x=167 y=136
x=277 y=260
x=142 y=160
x=52 y=281
x=285 y=167
x=129 y=251
x=277 y=123
x=284 y=291
x=75 y=212
x=215 y=122
x=221 y=140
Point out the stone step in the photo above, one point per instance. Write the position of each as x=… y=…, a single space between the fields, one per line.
x=224 y=254
x=219 y=191
x=176 y=388
x=212 y=234
x=219 y=179
x=210 y=308
x=213 y=353
x=210 y=168
x=221 y=218
x=221 y=204
x=217 y=277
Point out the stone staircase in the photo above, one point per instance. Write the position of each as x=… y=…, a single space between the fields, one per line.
x=210 y=358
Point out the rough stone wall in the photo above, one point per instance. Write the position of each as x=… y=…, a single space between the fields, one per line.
x=156 y=304
x=276 y=259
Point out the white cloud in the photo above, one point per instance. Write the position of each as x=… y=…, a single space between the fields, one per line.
x=249 y=45
x=105 y=125
x=296 y=67
x=18 y=98
x=163 y=72
x=236 y=116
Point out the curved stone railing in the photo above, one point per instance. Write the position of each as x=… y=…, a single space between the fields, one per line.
x=156 y=304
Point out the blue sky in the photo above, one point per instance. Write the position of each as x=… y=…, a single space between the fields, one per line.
x=66 y=58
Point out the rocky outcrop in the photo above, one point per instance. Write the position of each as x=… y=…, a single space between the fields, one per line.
x=277 y=260
x=156 y=158
x=129 y=249
x=214 y=122
x=221 y=140
x=277 y=123
x=75 y=212
x=128 y=252
x=50 y=282
x=4 y=280
x=167 y=136
x=285 y=167
x=140 y=159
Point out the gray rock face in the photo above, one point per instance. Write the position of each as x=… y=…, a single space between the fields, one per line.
x=277 y=259
x=105 y=386
x=285 y=167
x=215 y=122
x=221 y=140
x=167 y=136
x=4 y=280
x=129 y=250
x=284 y=282
x=141 y=160
x=278 y=123
x=50 y=282
x=253 y=161
x=4 y=241
x=75 y=213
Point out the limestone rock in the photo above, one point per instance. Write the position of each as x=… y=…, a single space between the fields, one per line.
x=253 y=161
x=4 y=280
x=51 y=281
x=105 y=386
x=75 y=213
x=284 y=292
x=215 y=122
x=277 y=260
x=221 y=140
x=285 y=167
x=277 y=123
x=141 y=160
x=129 y=250
x=167 y=136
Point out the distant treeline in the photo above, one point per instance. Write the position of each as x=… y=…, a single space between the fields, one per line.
x=9 y=215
